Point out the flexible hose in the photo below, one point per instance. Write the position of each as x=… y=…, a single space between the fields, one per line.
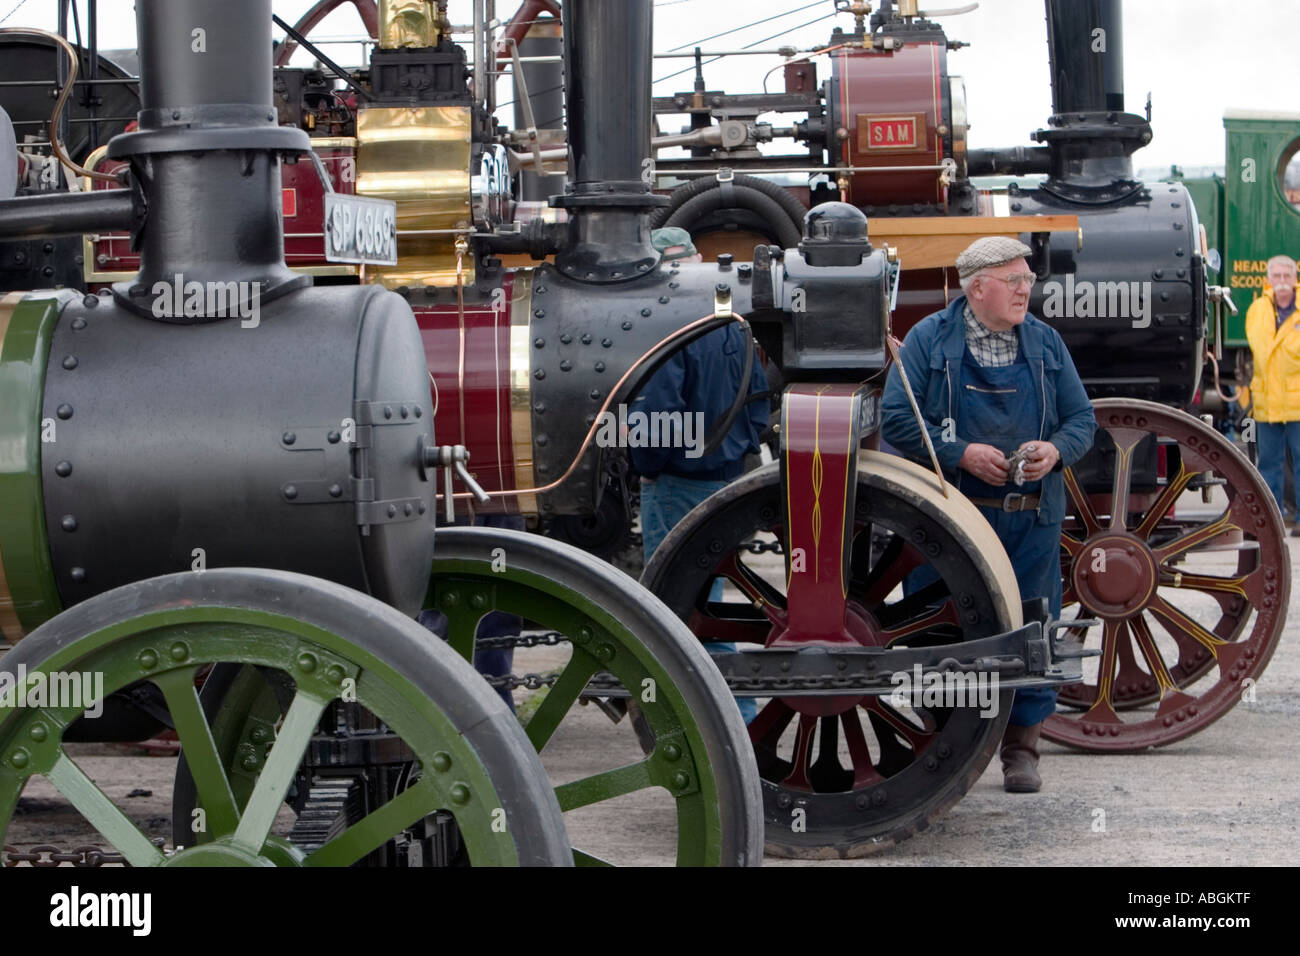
x=692 y=211
x=683 y=194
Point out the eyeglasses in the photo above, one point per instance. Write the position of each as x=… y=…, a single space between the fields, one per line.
x=1027 y=279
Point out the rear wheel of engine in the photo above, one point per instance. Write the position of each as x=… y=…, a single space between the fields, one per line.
x=871 y=774
x=1193 y=595
x=318 y=642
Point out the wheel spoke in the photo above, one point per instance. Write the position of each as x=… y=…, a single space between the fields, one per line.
x=376 y=827
x=1164 y=501
x=1120 y=486
x=586 y=859
x=281 y=765
x=1192 y=538
x=462 y=627
x=1205 y=582
x=761 y=594
x=771 y=722
x=1082 y=506
x=864 y=771
x=201 y=756
x=1071 y=544
x=946 y=613
x=562 y=695
x=914 y=735
x=604 y=786
x=1103 y=708
x=93 y=804
x=896 y=562
x=1146 y=643
x=916 y=603
x=798 y=778
x=736 y=629
x=1179 y=624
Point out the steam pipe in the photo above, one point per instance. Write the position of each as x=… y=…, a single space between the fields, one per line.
x=66 y=214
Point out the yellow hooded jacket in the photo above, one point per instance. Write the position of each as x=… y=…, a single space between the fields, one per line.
x=1276 y=382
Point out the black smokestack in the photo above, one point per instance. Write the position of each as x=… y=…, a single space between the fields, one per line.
x=207 y=154
x=1085 y=48
x=1090 y=139
x=607 y=57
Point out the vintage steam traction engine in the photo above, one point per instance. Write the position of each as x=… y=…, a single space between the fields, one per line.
x=249 y=504
x=525 y=360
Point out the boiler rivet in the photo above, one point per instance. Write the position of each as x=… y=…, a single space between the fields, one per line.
x=459 y=794
x=69 y=523
x=441 y=761
x=69 y=362
x=64 y=411
x=288 y=438
x=78 y=574
x=63 y=469
x=290 y=492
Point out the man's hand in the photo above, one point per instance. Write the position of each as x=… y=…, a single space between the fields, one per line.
x=986 y=463
x=1040 y=458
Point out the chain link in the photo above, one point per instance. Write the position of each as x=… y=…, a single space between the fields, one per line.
x=754 y=546
x=544 y=639
x=46 y=856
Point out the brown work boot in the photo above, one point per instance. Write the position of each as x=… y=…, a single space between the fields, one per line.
x=1020 y=759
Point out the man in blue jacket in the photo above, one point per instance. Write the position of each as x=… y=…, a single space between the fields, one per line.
x=992 y=380
x=700 y=380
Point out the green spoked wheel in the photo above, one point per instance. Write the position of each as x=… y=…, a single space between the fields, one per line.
x=316 y=642
x=698 y=765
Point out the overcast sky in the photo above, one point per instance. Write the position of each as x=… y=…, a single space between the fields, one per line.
x=1195 y=57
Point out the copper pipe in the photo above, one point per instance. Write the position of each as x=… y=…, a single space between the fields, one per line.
x=613 y=392
x=55 y=145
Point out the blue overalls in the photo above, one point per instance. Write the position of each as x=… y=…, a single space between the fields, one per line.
x=1002 y=407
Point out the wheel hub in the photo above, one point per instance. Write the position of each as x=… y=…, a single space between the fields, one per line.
x=223 y=852
x=1115 y=575
x=859 y=628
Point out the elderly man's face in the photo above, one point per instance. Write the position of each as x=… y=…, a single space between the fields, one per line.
x=1000 y=295
x=1282 y=278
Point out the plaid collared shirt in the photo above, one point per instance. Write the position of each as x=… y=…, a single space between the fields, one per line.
x=991 y=349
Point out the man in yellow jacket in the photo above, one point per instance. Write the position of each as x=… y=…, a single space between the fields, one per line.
x=1273 y=330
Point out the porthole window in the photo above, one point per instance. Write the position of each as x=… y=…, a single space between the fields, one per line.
x=1288 y=173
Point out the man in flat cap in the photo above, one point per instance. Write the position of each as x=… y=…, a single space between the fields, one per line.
x=993 y=381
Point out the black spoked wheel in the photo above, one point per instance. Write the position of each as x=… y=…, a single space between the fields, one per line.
x=843 y=776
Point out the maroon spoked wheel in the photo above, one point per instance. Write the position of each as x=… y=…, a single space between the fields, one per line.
x=1192 y=589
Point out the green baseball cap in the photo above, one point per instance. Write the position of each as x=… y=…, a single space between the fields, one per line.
x=670 y=236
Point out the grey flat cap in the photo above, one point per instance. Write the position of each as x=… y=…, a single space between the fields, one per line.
x=988 y=252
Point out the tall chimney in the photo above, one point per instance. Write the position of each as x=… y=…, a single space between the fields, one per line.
x=201 y=164
x=1085 y=49
x=1090 y=139
x=607 y=57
